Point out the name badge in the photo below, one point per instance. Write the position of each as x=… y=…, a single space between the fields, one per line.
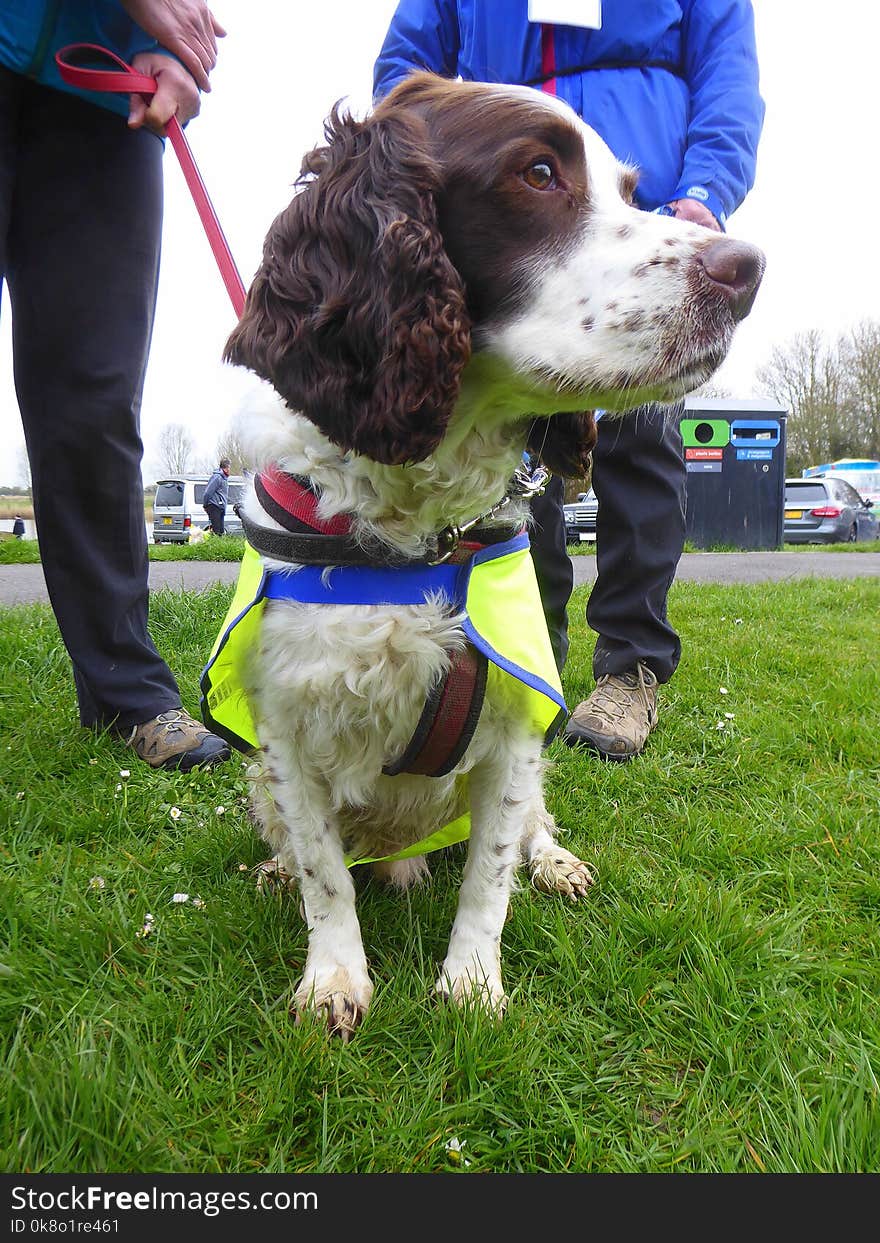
x=567 y=12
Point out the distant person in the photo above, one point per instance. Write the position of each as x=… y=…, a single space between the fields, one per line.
x=80 y=230
x=216 y=497
x=673 y=89
x=18 y=527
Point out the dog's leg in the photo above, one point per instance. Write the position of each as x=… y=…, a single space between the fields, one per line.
x=502 y=790
x=270 y=875
x=303 y=833
x=552 y=868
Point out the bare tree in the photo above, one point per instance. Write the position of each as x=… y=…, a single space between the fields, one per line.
x=23 y=466
x=832 y=393
x=805 y=376
x=860 y=358
x=231 y=445
x=175 y=449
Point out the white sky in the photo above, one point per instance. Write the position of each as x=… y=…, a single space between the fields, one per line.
x=284 y=64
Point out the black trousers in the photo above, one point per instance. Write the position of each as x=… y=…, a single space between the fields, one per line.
x=80 y=232
x=640 y=481
x=217 y=517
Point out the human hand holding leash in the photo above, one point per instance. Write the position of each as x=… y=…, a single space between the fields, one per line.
x=187 y=28
x=176 y=93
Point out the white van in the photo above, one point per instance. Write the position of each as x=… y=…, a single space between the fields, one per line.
x=178 y=511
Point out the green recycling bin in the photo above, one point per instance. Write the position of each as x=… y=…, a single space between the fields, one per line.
x=734 y=453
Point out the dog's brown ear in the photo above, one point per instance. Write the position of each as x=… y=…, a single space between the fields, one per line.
x=564 y=443
x=356 y=315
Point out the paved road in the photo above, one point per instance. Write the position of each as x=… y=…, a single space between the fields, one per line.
x=23 y=584
x=757 y=567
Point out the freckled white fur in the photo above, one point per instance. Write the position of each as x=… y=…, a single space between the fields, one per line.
x=607 y=280
x=337 y=691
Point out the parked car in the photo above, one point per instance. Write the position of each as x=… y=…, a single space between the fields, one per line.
x=580 y=518
x=826 y=510
x=178 y=512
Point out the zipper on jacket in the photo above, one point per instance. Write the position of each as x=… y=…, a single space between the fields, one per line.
x=47 y=30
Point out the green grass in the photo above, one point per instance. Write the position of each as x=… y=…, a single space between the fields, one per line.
x=19 y=551
x=714 y=1005
x=229 y=548
x=864 y=546
x=589 y=549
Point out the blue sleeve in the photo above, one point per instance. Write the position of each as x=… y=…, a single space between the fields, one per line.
x=423 y=34
x=727 y=111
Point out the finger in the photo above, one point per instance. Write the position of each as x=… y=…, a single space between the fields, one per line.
x=188 y=58
x=208 y=53
x=162 y=107
x=136 y=110
x=207 y=38
x=219 y=30
x=202 y=40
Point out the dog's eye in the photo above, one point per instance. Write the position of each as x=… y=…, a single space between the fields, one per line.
x=540 y=176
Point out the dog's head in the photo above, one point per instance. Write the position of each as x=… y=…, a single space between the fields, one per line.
x=459 y=216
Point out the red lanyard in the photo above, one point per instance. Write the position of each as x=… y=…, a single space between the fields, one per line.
x=548 y=59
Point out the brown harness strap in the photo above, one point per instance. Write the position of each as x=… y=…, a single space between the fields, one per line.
x=448 y=719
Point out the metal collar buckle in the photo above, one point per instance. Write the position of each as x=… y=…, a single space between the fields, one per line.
x=525 y=484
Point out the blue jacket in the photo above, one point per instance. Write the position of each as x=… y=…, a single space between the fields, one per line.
x=32 y=31
x=216 y=490
x=671 y=85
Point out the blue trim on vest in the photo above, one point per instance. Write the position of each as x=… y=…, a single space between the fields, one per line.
x=478 y=640
x=367 y=584
x=362 y=584
x=260 y=595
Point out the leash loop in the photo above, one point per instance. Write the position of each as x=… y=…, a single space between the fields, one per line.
x=525 y=484
x=127 y=81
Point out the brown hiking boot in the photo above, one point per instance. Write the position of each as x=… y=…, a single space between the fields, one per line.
x=174 y=740
x=617 y=718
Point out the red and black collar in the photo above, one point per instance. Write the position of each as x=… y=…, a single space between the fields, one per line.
x=307 y=539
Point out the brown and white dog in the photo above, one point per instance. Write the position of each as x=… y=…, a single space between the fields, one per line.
x=459 y=275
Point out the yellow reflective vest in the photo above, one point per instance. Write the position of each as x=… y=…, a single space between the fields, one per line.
x=495 y=590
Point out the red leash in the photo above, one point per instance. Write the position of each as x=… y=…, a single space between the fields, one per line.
x=126 y=80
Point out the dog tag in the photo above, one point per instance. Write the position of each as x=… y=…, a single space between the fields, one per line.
x=567 y=12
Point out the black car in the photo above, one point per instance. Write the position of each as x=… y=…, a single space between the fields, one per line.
x=825 y=510
x=580 y=518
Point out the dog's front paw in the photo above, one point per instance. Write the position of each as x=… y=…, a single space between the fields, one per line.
x=336 y=997
x=559 y=871
x=470 y=986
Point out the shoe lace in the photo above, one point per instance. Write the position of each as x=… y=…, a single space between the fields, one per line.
x=175 y=720
x=612 y=707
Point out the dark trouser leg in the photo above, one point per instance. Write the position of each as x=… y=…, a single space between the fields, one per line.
x=82 y=265
x=215 y=514
x=640 y=481
x=552 y=564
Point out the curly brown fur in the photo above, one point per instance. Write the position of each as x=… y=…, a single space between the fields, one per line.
x=357 y=316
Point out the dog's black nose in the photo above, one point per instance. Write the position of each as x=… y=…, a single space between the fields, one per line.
x=737 y=268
